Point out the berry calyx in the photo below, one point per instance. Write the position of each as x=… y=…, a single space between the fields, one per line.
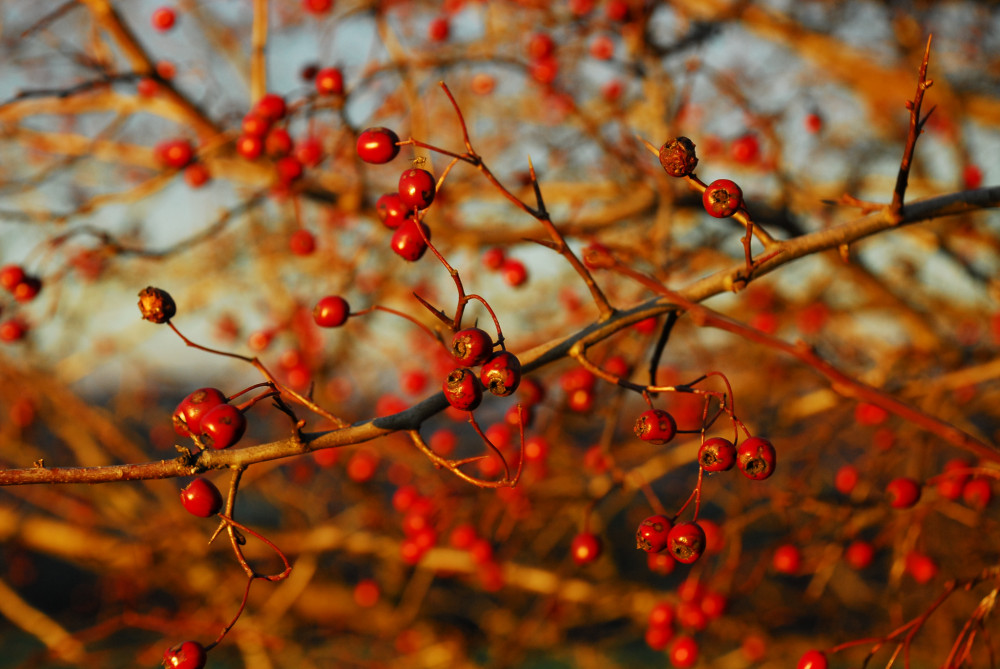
x=717 y=455
x=156 y=305
x=330 y=81
x=188 y=414
x=678 y=157
x=812 y=659
x=186 y=655
x=655 y=426
x=377 y=145
x=652 y=534
x=722 y=198
x=417 y=188
x=585 y=548
x=331 y=311
x=471 y=347
x=903 y=493
x=462 y=389
x=686 y=542
x=756 y=458
x=501 y=374
x=201 y=498
x=222 y=426
x=407 y=242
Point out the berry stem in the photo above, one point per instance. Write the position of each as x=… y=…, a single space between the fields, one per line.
x=916 y=127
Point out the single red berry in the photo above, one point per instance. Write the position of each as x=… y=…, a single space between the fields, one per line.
x=309 y=151
x=493 y=258
x=407 y=242
x=717 y=455
x=686 y=542
x=302 y=242
x=367 y=593
x=655 y=426
x=813 y=123
x=541 y=45
x=330 y=81
x=652 y=534
x=812 y=659
x=201 y=498
x=756 y=458
x=544 y=70
x=514 y=272
x=278 y=143
x=602 y=47
x=28 y=289
x=331 y=311
x=197 y=175
x=678 y=157
x=745 y=149
x=616 y=10
x=921 y=567
x=471 y=347
x=186 y=655
x=684 y=652
x=657 y=638
x=271 y=106
x=722 y=198
x=249 y=146
x=903 y=493
x=845 y=479
x=713 y=605
x=859 y=554
x=972 y=177
x=977 y=493
x=289 y=169
x=255 y=124
x=661 y=563
x=662 y=614
x=787 y=559
x=223 y=426
x=501 y=374
x=462 y=389
x=866 y=413
x=163 y=19
x=13 y=330
x=147 y=87
x=690 y=616
x=391 y=210
x=174 y=153
x=188 y=414
x=439 y=29
x=377 y=145
x=10 y=276
x=585 y=548
x=416 y=188
x=317 y=6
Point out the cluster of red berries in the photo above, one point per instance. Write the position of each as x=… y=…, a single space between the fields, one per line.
x=23 y=287
x=511 y=270
x=697 y=607
x=500 y=371
x=262 y=134
x=207 y=415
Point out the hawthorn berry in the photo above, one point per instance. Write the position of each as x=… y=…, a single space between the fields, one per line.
x=186 y=655
x=585 y=548
x=163 y=19
x=416 y=188
x=514 y=272
x=787 y=559
x=377 y=145
x=309 y=151
x=756 y=458
x=407 y=242
x=331 y=311
x=174 y=153
x=678 y=157
x=845 y=479
x=661 y=563
x=302 y=242
x=686 y=542
x=278 y=143
x=501 y=374
x=249 y=146
x=541 y=45
x=462 y=389
x=188 y=414
x=921 y=567
x=722 y=198
x=493 y=258
x=655 y=426
x=812 y=659
x=439 y=29
x=28 y=289
x=289 y=169
x=859 y=554
x=222 y=426
x=661 y=615
x=903 y=492
x=10 y=276
x=196 y=175
x=13 y=330
x=977 y=493
x=745 y=149
x=652 y=534
x=271 y=106
x=657 y=638
x=330 y=81
x=201 y=498
x=684 y=652
x=471 y=347
x=317 y=6
x=255 y=124
x=717 y=455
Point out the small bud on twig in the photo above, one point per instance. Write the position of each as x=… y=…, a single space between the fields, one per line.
x=156 y=305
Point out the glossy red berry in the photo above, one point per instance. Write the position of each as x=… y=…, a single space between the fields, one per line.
x=188 y=414
x=377 y=145
x=722 y=198
x=471 y=347
x=256 y=125
x=278 y=143
x=678 y=157
x=787 y=559
x=331 y=311
x=407 y=241
x=717 y=455
x=10 y=276
x=186 y=655
x=249 y=146
x=222 y=427
x=585 y=548
x=684 y=652
x=28 y=289
x=756 y=458
x=662 y=614
x=686 y=542
x=462 y=389
x=302 y=242
x=859 y=554
x=163 y=19
x=655 y=426
x=921 y=567
x=174 y=153
x=903 y=493
x=501 y=374
x=812 y=659
x=197 y=175
x=514 y=272
x=416 y=188
x=657 y=638
x=289 y=169
x=330 y=81
x=271 y=106
x=201 y=498
x=391 y=210
x=309 y=151
x=13 y=330
x=652 y=534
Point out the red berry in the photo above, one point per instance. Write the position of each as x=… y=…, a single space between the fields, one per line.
x=787 y=559
x=188 y=414
x=686 y=542
x=10 y=276
x=657 y=638
x=493 y=258
x=652 y=534
x=616 y=10
x=463 y=536
x=331 y=311
x=661 y=615
x=391 y=210
x=407 y=241
x=655 y=426
x=439 y=29
x=756 y=458
x=921 y=567
x=661 y=563
x=514 y=272
x=147 y=87
x=972 y=177
x=186 y=655
x=845 y=479
x=13 y=330
x=367 y=593
x=28 y=289
x=859 y=554
x=471 y=347
x=501 y=374
x=684 y=652
x=163 y=19
x=249 y=146
x=745 y=149
x=585 y=548
x=317 y=6
x=302 y=242
x=174 y=153
x=289 y=169
x=362 y=466
x=330 y=81
x=950 y=485
x=813 y=123
x=201 y=498
x=462 y=389
x=196 y=175
x=812 y=659
x=903 y=493
x=278 y=143
x=416 y=188
x=602 y=47
x=678 y=157
x=255 y=124
x=377 y=145
x=222 y=426
x=271 y=106
x=722 y=198
x=717 y=455
x=977 y=493
x=541 y=46
x=309 y=151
